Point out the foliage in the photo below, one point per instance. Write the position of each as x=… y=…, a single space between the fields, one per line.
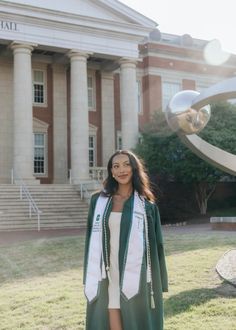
x=221 y=129
x=167 y=157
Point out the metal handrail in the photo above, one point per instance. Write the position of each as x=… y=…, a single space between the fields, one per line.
x=24 y=192
x=83 y=189
x=98 y=173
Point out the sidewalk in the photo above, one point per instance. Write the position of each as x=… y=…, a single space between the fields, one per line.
x=12 y=237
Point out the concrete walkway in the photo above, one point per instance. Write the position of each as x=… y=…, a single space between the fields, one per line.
x=11 y=237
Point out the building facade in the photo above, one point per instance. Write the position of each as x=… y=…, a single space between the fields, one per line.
x=79 y=79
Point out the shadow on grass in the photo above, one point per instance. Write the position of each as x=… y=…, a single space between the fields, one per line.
x=187 y=300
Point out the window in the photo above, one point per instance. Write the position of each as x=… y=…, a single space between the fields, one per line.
x=38 y=87
x=91 y=92
x=39 y=154
x=139 y=96
x=169 y=89
x=92 y=150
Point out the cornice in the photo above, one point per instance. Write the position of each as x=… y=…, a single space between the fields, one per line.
x=64 y=20
x=126 y=11
x=183 y=59
x=173 y=75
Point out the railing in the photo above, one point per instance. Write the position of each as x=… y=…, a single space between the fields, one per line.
x=84 y=193
x=98 y=173
x=24 y=193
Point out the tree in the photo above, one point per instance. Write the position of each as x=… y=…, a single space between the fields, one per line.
x=165 y=155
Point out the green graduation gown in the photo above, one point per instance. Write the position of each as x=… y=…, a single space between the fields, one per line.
x=136 y=313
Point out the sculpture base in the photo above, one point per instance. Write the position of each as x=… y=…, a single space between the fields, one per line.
x=226 y=267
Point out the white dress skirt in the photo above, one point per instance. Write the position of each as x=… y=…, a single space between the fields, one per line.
x=114 y=282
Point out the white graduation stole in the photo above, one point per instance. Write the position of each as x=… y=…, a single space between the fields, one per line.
x=134 y=251
x=95 y=261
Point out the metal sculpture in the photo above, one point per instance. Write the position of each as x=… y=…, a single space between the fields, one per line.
x=188 y=112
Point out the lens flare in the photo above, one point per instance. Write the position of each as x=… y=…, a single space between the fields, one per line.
x=214 y=54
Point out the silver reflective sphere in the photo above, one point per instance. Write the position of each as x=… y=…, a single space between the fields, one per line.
x=182 y=117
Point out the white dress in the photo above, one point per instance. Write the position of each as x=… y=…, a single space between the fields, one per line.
x=114 y=283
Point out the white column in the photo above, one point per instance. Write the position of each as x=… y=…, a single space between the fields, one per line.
x=6 y=120
x=108 y=118
x=79 y=122
x=60 y=124
x=128 y=103
x=22 y=109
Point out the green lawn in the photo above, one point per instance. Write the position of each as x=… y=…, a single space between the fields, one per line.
x=41 y=283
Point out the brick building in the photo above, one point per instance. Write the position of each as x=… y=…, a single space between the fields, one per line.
x=79 y=79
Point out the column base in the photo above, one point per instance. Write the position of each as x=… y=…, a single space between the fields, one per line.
x=78 y=181
x=5 y=180
x=27 y=181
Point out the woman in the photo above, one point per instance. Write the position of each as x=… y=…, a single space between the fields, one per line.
x=124 y=266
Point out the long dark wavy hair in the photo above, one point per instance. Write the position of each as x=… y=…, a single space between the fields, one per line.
x=140 y=180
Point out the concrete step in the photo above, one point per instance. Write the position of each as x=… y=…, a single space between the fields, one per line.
x=60 y=205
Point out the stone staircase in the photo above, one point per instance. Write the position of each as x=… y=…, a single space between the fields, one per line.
x=60 y=205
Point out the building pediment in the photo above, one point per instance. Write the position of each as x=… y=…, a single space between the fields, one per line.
x=92 y=129
x=97 y=26
x=39 y=126
x=111 y=10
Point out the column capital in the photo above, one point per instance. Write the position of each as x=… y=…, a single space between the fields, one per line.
x=22 y=46
x=128 y=62
x=78 y=54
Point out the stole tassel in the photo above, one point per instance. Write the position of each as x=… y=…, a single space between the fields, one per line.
x=152 y=301
x=108 y=273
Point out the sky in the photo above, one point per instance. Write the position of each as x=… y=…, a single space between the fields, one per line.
x=203 y=19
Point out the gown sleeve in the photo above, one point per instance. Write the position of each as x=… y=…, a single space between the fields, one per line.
x=160 y=249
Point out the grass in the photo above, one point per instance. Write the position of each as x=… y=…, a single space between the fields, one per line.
x=197 y=298
x=41 y=283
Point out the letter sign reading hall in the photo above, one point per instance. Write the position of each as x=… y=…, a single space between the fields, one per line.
x=8 y=26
